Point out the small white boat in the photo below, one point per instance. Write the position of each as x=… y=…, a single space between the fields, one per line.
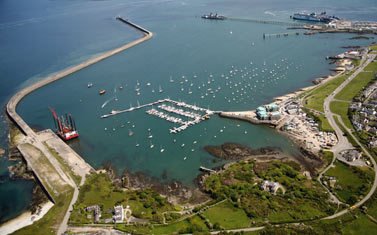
x=130 y=133
x=184 y=158
x=90 y=85
x=183 y=145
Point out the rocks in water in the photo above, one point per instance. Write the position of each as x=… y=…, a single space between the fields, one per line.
x=14 y=154
x=233 y=151
x=20 y=171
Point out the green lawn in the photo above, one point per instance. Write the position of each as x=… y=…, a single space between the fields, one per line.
x=351 y=181
x=362 y=225
x=371 y=67
x=227 y=216
x=341 y=108
x=374 y=47
x=190 y=225
x=317 y=96
x=356 y=85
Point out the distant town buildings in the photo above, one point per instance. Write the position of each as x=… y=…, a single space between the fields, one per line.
x=363 y=112
x=362 y=26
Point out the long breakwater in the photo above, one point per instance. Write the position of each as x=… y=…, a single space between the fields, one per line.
x=13 y=102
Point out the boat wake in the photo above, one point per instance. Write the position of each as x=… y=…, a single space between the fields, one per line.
x=269 y=13
x=107 y=101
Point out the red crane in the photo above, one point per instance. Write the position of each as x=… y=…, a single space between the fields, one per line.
x=65 y=126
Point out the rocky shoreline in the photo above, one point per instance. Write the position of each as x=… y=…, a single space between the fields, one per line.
x=234 y=151
x=173 y=190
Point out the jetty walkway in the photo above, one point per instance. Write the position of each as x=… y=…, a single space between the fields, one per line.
x=51 y=171
x=275 y=22
x=188 y=113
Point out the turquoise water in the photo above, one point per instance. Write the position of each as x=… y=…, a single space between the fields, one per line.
x=229 y=57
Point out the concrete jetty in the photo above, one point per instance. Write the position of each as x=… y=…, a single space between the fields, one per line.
x=258 y=21
x=247 y=116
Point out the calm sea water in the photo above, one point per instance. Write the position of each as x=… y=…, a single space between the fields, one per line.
x=217 y=65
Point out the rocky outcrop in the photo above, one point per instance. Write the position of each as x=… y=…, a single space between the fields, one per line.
x=233 y=151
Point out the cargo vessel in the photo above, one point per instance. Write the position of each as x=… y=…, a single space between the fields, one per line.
x=211 y=16
x=323 y=18
x=65 y=126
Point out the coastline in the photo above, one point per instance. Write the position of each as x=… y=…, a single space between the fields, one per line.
x=300 y=140
x=25 y=219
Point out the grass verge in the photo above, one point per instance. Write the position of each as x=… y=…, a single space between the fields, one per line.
x=225 y=215
x=351 y=182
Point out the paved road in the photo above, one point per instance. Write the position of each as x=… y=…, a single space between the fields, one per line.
x=343 y=142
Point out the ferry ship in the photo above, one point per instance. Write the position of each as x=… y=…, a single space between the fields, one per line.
x=314 y=17
x=211 y=16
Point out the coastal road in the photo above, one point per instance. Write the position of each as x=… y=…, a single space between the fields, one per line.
x=343 y=142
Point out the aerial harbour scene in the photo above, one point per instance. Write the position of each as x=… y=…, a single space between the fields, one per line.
x=198 y=117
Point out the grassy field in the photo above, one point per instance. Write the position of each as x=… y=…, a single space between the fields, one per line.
x=357 y=84
x=374 y=47
x=191 y=225
x=361 y=225
x=351 y=181
x=341 y=108
x=227 y=216
x=316 y=97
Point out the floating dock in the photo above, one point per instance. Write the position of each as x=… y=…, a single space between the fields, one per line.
x=191 y=113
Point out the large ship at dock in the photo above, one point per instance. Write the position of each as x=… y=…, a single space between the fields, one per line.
x=211 y=16
x=323 y=18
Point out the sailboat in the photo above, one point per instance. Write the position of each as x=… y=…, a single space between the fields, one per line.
x=160 y=89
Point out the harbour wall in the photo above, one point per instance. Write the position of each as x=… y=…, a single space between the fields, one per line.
x=134 y=25
x=245 y=117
